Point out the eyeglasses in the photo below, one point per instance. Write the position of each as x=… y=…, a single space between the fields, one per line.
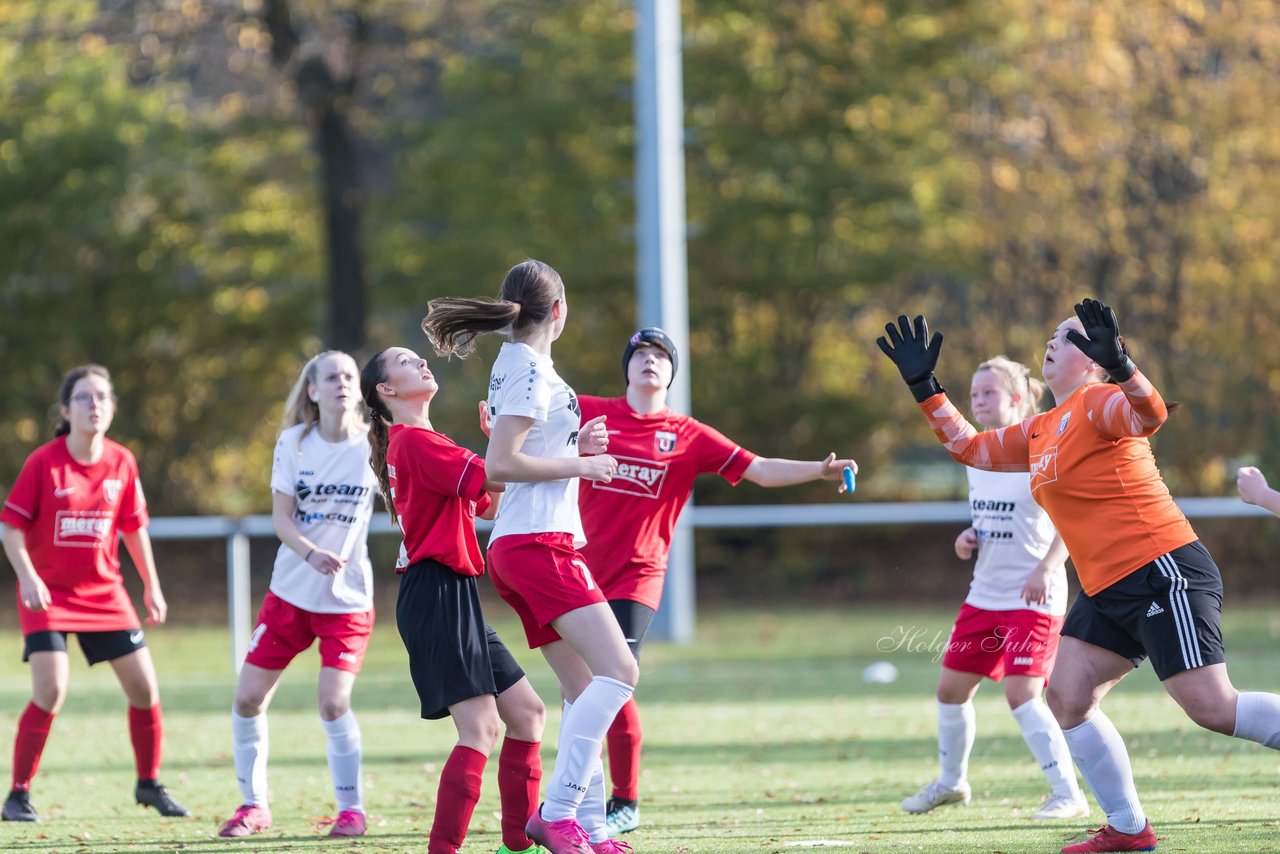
x=87 y=397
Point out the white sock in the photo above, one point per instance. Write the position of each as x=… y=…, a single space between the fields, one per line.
x=1099 y=753
x=956 y=730
x=1258 y=718
x=581 y=734
x=344 y=751
x=1045 y=740
x=591 y=811
x=249 y=745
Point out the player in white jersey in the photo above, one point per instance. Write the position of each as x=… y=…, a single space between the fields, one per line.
x=322 y=491
x=1009 y=625
x=540 y=448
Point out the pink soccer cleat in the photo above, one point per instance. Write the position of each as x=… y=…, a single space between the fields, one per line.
x=248 y=820
x=612 y=846
x=1107 y=838
x=349 y=823
x=563 y=836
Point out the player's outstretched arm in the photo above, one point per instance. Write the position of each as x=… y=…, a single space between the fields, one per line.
x=905 y=344
x=915 y=354
x=1253 y=487
x=775 y=471
x=1143 y=410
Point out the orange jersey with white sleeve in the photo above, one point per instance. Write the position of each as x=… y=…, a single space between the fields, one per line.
x=1092 y=470
x=72 y=515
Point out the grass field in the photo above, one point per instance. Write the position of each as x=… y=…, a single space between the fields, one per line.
x=761 y=737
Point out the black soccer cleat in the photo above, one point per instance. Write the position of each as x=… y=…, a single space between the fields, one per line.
x=149 y=793
x=17 y=807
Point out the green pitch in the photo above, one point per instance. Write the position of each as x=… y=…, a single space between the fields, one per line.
x=761 y=737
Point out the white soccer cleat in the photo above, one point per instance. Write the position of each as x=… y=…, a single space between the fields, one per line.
x=936 y=795
x=1063 y=806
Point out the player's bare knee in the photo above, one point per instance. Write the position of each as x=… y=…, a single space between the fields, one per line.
x=1215 y=718
x=625 y=670
x=529 y=722
x=49 y=697
x=1069 y=709
x=332 y=708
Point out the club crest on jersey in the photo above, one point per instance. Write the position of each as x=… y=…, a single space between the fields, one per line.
x=111 y=490
x=665 y=442
x=1062 y=425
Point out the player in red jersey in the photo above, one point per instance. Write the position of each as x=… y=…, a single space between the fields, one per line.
x=630 y=519
x=1150 y=588
x=72 y=500
x=460 y=667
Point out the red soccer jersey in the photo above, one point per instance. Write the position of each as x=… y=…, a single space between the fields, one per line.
x=437 y=488
x=629 y=521
x=1092 y=471
x=72 y=515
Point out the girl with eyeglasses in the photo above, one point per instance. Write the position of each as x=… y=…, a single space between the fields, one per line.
x=75 y=497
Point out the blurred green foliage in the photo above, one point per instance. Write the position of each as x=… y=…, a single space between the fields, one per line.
x=985 y=163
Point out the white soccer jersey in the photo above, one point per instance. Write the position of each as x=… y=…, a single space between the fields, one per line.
x=1014 y=533
x=524 y=382
x=333 y=487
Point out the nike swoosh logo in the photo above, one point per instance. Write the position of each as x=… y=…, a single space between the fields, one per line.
x=136 y=637
x=1035 y=435
x=63 y=493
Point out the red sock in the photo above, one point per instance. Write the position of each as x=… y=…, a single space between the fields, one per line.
x=28 y=746
x=624 y=752
x=456 y=800
x=146 y=729
x=519 y=778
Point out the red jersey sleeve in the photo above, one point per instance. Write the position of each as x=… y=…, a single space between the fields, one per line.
x=133 y=504
x=446 y=468
x=1006 y=449
x=718 y=454
x=22 y=505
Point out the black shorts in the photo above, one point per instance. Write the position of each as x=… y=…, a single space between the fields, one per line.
x=1169 y=610
x=453 y=654
x=96 y=646
x=634 y=620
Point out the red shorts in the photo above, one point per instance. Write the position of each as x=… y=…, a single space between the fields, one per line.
x=285 y=630
x=542 y=577
x=996 y=644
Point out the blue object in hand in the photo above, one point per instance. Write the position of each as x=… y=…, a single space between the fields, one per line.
x=849 y=482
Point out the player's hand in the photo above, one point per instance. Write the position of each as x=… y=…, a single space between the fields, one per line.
x=34 y=594
x=1252 y=484
x=966 y=543
x=915 y=359
x=486 y=422
x=833 y=469
x=1101 y=339
x=599 y=468
x=157 y=607
x=593 y=436
x=1035 y=591
x=325 y=562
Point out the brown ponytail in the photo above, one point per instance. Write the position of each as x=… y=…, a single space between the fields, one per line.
x=528 y=292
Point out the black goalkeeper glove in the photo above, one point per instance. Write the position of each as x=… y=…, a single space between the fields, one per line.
x=1101 y=339
x=915 y=359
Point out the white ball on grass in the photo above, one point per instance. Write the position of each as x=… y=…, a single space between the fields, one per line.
x=880 y=673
